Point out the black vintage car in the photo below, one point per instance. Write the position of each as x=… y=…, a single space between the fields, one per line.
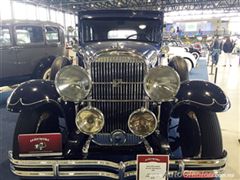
x=95 y=118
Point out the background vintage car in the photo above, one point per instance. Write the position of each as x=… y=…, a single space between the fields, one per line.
x=27 y=49
x=177 y=49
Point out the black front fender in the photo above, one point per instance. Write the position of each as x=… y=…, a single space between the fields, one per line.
x=203 y=94
x=33 y=94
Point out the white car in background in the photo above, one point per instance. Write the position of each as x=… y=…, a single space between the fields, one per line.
x=179 y=51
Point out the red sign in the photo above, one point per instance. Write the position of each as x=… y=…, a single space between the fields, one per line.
x=47 y=144
x=198 y=174
x=152 y=167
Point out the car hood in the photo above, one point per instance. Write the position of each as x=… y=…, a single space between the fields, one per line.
x=147 y=50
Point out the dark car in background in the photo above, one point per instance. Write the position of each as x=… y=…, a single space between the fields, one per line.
x=27 y=49
x=97 y=118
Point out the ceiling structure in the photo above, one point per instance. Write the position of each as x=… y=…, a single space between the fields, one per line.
x=165 y=5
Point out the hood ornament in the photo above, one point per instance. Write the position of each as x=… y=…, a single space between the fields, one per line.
x=118 y=46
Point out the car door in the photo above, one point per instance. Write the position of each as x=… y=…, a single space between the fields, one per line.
x=8 y=60
x=30 y=47
x=54 y=40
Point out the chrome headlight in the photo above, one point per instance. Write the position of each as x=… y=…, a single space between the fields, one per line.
x=142 y=122
x=161 y=83
x=90 y=120
x=73 y=83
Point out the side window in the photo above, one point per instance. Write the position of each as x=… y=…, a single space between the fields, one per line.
x=5 y=39
x=29 y=34
x=52 y=34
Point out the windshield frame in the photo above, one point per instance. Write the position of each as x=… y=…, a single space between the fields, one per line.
x=120 y=16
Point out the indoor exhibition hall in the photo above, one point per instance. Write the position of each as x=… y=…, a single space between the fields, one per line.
x=120 y=89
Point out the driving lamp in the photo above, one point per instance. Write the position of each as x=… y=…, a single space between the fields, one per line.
x=89 y=120
x=142 y=122
x=161 y=83
x=73 y=83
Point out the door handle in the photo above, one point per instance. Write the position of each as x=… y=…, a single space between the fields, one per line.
x=16 y=48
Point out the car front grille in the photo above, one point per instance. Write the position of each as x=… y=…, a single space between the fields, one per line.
x=118 y=81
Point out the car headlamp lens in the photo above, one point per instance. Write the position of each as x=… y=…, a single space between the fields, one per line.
x=73 y=83
x=142 y=122
x=161 y=83
x=90 y=120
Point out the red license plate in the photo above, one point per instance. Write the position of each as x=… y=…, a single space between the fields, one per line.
x=47 y=144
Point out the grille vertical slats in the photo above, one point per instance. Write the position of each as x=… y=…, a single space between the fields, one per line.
x=131 y=74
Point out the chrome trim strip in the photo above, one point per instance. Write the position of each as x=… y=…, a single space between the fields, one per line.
x=176 y=174
x=118 y=83
x=65 y=174
x=52 y=168
x=202 y=104
x=192 y=163
x=89 y=174
x=30 y=104
x=189 y=163
x=61 y=162
x=121 y=100
x=129 y=174
x=40 y=154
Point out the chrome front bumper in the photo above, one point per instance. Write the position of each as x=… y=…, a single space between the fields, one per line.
x=107 y=169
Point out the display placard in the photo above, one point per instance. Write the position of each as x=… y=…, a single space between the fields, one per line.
x=152 y=167
x=46 y=144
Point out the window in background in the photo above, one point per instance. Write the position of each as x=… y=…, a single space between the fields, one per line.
x=29 y=34
x=69 y=20
x=60 y=18
x=31 y=12
x=191 y=26
x=5 y=9
x=5 y=39
x=233 y=25
x=52 y=34
x=42 y=14
x=53 y=16
x=19 y=10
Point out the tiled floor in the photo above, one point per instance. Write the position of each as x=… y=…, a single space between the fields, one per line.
x=228 y=78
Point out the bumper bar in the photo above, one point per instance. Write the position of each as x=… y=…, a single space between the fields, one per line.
x=108 y=169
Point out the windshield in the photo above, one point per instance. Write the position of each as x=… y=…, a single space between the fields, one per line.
x=102 y=29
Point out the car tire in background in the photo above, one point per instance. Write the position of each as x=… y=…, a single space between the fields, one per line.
x=189 y=64
x=180 y=65
x=43 y=70
x=196 y=55
x=58 y=64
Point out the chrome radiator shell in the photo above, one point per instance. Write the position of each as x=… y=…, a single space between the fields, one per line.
x=117 y=77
